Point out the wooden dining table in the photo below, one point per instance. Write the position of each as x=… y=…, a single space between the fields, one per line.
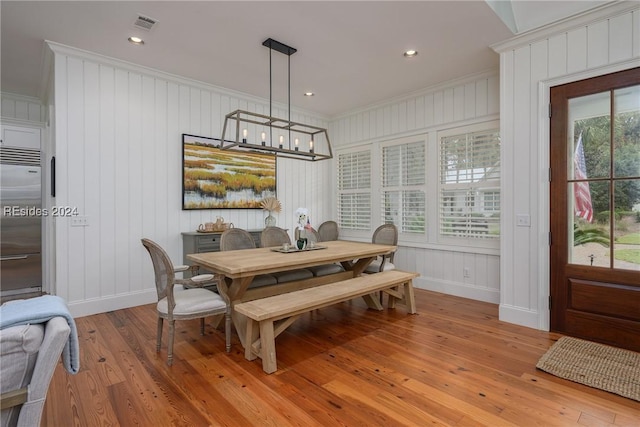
x=240 y=267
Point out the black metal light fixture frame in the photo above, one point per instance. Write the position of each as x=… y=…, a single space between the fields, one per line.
x=320 y=145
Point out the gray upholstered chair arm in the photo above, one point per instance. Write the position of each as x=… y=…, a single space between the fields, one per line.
x=56 y=335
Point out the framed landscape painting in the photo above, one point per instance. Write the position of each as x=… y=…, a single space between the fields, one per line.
x=213 y=178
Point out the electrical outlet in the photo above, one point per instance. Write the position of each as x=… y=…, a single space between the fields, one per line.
x=465 y=272
x=79 y=221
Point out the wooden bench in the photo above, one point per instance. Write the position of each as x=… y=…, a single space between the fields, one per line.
x=269 y=317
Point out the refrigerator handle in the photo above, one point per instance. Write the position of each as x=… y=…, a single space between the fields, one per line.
x=53 y=176
x=12 y=258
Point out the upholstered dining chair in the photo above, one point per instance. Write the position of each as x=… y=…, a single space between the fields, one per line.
x=237 y=238
x=193 y=302
x=327 y=231
x=275 y=236
x=310 y=234
x=386 y=234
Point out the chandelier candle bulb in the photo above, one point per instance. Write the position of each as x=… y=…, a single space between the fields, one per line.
x=311 y=146
x=244 y=135
x=264 y=137
x=296 y=142
x=281 y=140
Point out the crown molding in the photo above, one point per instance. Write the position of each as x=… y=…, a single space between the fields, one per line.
x=46 y=74
x=598 y=13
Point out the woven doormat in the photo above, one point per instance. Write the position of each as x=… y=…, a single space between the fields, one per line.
x=597 y=365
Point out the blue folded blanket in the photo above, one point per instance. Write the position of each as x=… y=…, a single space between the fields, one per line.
x=41 y=310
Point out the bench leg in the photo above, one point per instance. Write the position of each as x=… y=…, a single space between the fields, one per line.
x=409 y=297
x=268 y=347
x=251 y=335
x=392 y=299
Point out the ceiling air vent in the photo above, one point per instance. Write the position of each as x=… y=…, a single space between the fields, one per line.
x=144 y=22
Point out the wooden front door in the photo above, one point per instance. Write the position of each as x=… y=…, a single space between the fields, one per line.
x=595 y=209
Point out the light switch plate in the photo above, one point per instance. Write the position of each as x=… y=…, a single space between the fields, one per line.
x=523 y=220
x=79 y=221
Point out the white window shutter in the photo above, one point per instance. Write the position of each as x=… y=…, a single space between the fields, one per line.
x=470 y=185
x=403 y=186
x=354 y=190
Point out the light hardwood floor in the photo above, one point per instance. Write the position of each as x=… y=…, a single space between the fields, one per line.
x=453 y=364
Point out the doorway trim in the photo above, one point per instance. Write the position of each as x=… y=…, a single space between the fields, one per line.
x=544 y=141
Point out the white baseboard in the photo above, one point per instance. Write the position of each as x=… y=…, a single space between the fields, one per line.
x=457 y=289
x=113 y=302
x=519 y=316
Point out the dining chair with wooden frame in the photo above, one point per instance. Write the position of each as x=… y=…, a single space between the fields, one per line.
x=328 y=230
x=193 y=302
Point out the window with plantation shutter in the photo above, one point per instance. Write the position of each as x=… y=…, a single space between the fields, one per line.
x=403 y=186
x=469 y=193
x=354 y=190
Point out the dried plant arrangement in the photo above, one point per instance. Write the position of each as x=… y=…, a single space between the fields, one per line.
x=271 y=204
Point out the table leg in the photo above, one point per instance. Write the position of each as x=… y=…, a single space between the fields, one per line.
x=233 y=290
x=357 y=267
x=372 y=301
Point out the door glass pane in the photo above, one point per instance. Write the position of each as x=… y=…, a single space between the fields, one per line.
x=589 y=136
x=627 y=132
x=626 y=249
x=589 y=223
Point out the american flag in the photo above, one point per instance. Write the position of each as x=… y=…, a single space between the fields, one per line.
x=583 y=207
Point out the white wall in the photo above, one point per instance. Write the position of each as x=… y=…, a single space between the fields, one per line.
x=456 y=103
x=604 y=40
x=118 y=144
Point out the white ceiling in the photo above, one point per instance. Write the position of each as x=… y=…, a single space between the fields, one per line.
x=349 y=53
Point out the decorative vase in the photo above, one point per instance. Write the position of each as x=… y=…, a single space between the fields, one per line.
x=301 y=243
x=270 y=221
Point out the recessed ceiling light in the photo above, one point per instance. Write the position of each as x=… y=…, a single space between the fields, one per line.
x=135 y=40
x=309 y=94
x=410 y=53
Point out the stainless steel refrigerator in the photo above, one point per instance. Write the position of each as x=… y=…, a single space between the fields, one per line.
x=21 y=222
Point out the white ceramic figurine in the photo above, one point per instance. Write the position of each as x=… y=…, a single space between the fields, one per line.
x=303 y=218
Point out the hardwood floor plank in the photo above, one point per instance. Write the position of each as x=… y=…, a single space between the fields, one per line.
x=403 y=365
x=454 y=364
x=392 y=407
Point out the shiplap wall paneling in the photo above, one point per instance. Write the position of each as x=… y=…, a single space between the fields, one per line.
x=443 y=271
x=119 y=152
x=589 y=49
x=469 y=100
x=121 y=179
x=106 y=231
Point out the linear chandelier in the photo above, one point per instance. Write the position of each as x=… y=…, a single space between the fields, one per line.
x=283 y=137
